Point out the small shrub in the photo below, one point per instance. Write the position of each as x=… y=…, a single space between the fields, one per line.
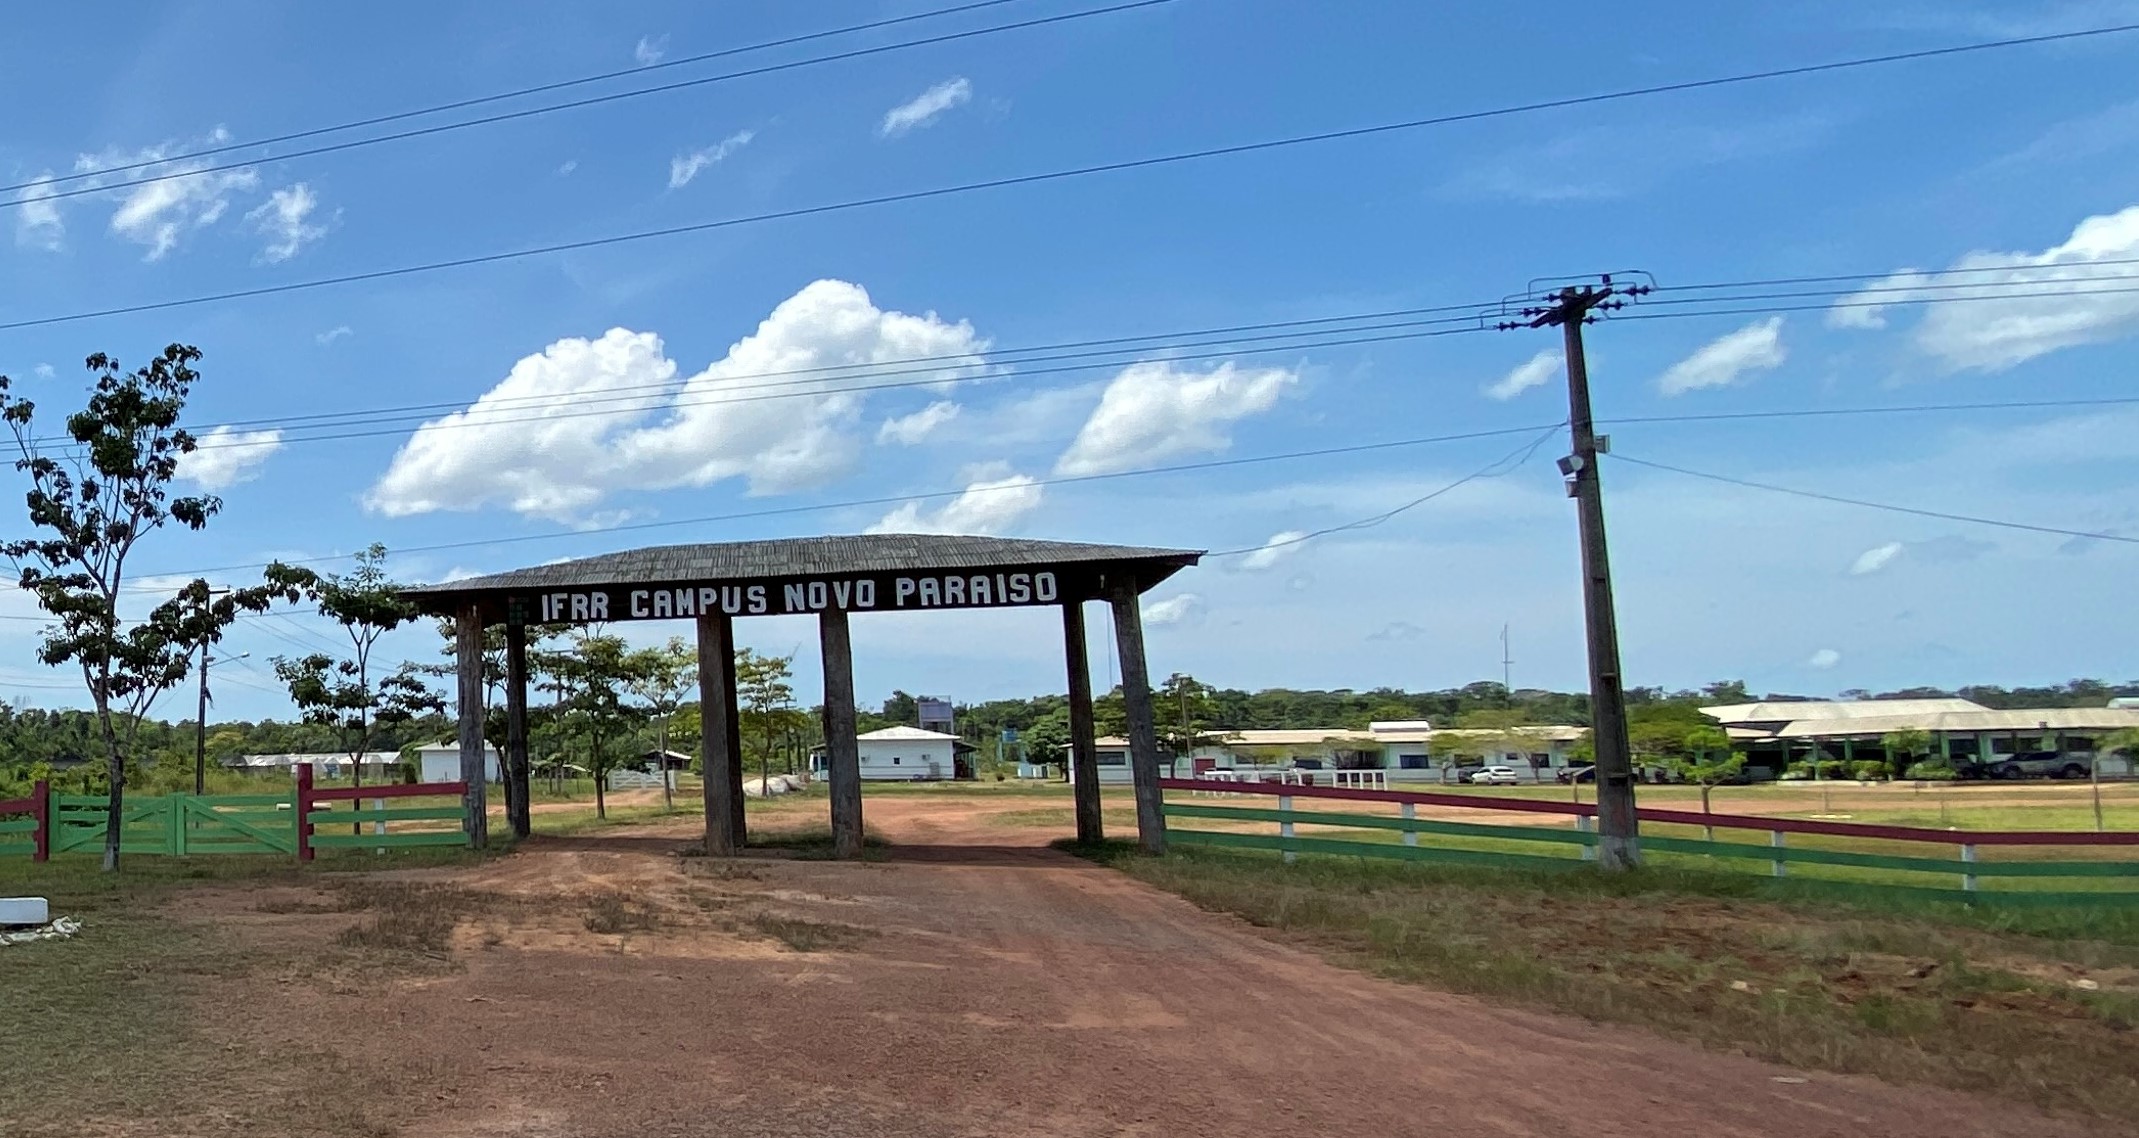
x=1929 y=770
x=616 y=913
x=1867 y=770
x=801 y=935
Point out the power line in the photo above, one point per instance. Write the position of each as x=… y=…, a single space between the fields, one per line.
x=1494 y=469
x=1879 y=290
x=1825 y=412
x=1077 y=172
x=530 y=112
x=1887 y=506
x=1913 y=301
x=503 y=96
x=1840 y=277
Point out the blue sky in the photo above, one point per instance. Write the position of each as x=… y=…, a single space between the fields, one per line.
x=2002 y=157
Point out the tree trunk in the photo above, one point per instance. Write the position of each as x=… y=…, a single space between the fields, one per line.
x=594 y=767
x=115 y=767
x=1708 y=833
x=668 y=793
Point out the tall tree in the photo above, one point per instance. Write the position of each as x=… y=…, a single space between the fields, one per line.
x=1186 y=713
x=662 y=677
x=597 y=675
x=91 y=504
x=340 y=692
x=765 y=706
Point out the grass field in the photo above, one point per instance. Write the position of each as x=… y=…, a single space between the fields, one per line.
x=2033 y=1004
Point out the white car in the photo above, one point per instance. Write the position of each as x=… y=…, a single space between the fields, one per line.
x=1498 y=776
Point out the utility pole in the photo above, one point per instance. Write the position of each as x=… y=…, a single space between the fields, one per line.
x=1618 y=830
x=200 y=724
x=1507 y=665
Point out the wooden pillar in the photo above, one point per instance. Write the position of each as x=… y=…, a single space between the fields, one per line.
x=735 y=747
x=1136 y=701
x=843 y=760
x=1084 y=748
x=716 y=735
x=468 y=637
x=517 y=813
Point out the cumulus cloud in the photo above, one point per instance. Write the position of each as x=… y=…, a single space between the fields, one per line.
x=565 y=168
x=1184 y=608
x=684 y=167
x=1535 y=373
x=1727 y=359
x=1155 y=410
x=993 y=501
x=908 y=430
x=338 y=332
x=37 y=221
x=1874 y=559
x=1823 y=659
x=529 y=444
x=1280 y=546
x=285 y=220
x=226 y=457
x=926 y=107
x=1993 y=335
x=650 y=49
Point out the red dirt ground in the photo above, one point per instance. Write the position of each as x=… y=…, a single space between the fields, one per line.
x=1001 y=989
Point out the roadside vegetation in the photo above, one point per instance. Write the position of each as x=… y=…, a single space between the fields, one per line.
x=2032 y=1004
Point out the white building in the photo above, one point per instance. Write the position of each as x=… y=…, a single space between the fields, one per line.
x=440 y=762
x=1404 y=751
x=902 y=754
x=325 y=764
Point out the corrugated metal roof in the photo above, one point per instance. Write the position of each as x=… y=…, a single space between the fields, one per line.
x=1792 y=711
x=808 y=557
x=2020 y=719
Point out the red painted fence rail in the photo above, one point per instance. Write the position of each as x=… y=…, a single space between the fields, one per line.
x=39 y=807
x=1682 y=817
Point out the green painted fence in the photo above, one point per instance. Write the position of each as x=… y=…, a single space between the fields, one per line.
x=179 y=825
x=2107 y=872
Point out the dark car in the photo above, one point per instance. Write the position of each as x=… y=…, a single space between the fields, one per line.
x=2038 y=764
x=1576 y=774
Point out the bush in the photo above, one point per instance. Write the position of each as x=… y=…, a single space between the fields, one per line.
x=1930 y=770
x=1866 y=770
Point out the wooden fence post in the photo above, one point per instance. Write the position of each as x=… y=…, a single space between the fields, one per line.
x=41 y=795
x=303 y=798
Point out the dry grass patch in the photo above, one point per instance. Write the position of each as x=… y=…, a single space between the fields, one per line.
x=407 y=918
x=803 y=935
x=611 y=913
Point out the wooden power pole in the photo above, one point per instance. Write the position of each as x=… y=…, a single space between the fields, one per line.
x=1618 y=829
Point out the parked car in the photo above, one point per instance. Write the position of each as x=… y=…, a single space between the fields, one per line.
x=1497 y=776
x=1462 y=772
x=1584 y=773
x=2038 y=764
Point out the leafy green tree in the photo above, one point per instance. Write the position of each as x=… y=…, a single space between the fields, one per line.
x=341 y=692
x=1706 y=760
x=90 y=505
x=1186 y=713
x=662 y=677
x=598 y=674
x=766 y=714
x=1904 y=747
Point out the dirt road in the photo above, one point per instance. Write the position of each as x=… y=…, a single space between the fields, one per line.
x=980 y=984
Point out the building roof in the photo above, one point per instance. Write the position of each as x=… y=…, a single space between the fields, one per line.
x=2091 y=719
x=317 y=758
x=906 y=734
x=734 y=562
x=1294 y=737
x=1792 y=711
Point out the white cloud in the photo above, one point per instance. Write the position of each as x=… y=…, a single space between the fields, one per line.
x=43 y=371
x=684 y=167
x=992 y=502
x=284 y=219
x=37 y=221
x=530 y=445
x=1823 y=659
x=226 y=457
x=459 y=573
x=1725 y=360
x=1539 y=369
x=338 y=332
x=1154 y=411
x=1992 y=335
x=650 y=49
x=907 y=430
x=157 y=214
x=1184 y=608
x=1876 y=558
x=1280 y=546
x=924 y=108
x=565 y=168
